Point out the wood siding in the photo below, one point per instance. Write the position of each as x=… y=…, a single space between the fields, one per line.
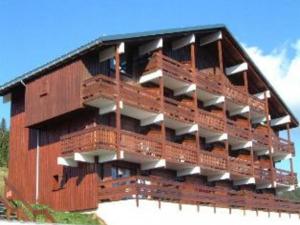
x=55 y=93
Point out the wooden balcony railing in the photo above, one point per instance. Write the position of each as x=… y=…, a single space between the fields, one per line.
x=170 y=67
x=179 y=153
x=210 y=82
x=160 y=189
x=260 y=137
x=238 y=130
x=212 y=160
x=137 y=143
x=89 y=139
x=256 y=104
x=262 y=174
x=177 y=111
x=282 y=145
x=210 y=121
x=236 y=94
x=106 y=87
x=140 y=97
x=285 y=177
x=103 y=137
x=240 y=166
x=98 y=86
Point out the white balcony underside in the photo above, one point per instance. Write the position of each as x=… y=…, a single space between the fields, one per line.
x=176 y=124
x=281 y=156
x=235 y=141
x=261 y=184
x=257 y=117
x=170 y=82
x=280 y=188
x=206 y=132
x=208 y=98
x=236 y=108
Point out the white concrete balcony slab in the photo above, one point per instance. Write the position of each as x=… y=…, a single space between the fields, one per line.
x=208 y=98
x=235 y=108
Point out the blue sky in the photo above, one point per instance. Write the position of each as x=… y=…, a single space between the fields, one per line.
x=34 y=32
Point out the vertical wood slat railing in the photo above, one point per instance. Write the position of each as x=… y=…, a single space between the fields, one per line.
x=237 y=129
x=103 y=86
x=240 y=166
x=212 y=160
x=285 y=177
x=170 y=67
x=16 y=195
x=89 y=139
x=261 y=136
x=256 y=104
x=178 y=111
x=179 y=153
x=262 y=173
x=98 y=86
x=209 y=82
x=161 y=189
x=138 y=96
x=136 y=143
x=210 y=121
x=282 y=145
x=237 y=94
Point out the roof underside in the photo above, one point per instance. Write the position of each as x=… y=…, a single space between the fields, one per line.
x=7 y=87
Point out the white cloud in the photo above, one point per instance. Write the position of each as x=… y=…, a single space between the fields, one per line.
x=282 y=70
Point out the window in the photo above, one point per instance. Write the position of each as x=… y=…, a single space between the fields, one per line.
x=118 y=172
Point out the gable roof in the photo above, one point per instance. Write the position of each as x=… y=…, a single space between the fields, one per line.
x=5 y=88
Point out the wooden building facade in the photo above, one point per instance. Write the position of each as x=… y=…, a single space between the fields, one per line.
x=178 y=115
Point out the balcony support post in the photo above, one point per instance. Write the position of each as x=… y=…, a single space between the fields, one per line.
x=290 y=148
x=193 y=63
x=118 y=98
x=245 y=78
x=162 y=103
x=220 y=55
x=273 y=172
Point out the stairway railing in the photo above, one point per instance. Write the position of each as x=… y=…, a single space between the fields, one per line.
x=35 y=212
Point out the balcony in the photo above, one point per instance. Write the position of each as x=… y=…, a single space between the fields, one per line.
x=281 y=147
x=238 y=132
x=209 y=123
x=137 y=96
x=97 y=88
x=137 y=102
x=209 y=83
x=212 y=160
x=285 y=178
x=101 y=141
x=178 y=111
x=175 y=75
x=263 y=176
x=89 y=140
x=236 y=95
x=178 y=153
x=160 y=189
x=260 y=137
x=257 y=108
x=240 y=167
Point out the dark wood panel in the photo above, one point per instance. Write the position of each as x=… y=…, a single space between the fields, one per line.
x=55 y=93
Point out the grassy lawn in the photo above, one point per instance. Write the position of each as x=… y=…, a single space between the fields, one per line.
x=3 y=173
x=60 y=217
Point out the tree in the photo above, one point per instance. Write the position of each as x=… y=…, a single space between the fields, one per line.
x=3 y=125
x=4 y=141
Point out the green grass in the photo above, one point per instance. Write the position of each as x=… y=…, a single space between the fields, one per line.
x=292 y=195
x=3 y=173
x=63 y=217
